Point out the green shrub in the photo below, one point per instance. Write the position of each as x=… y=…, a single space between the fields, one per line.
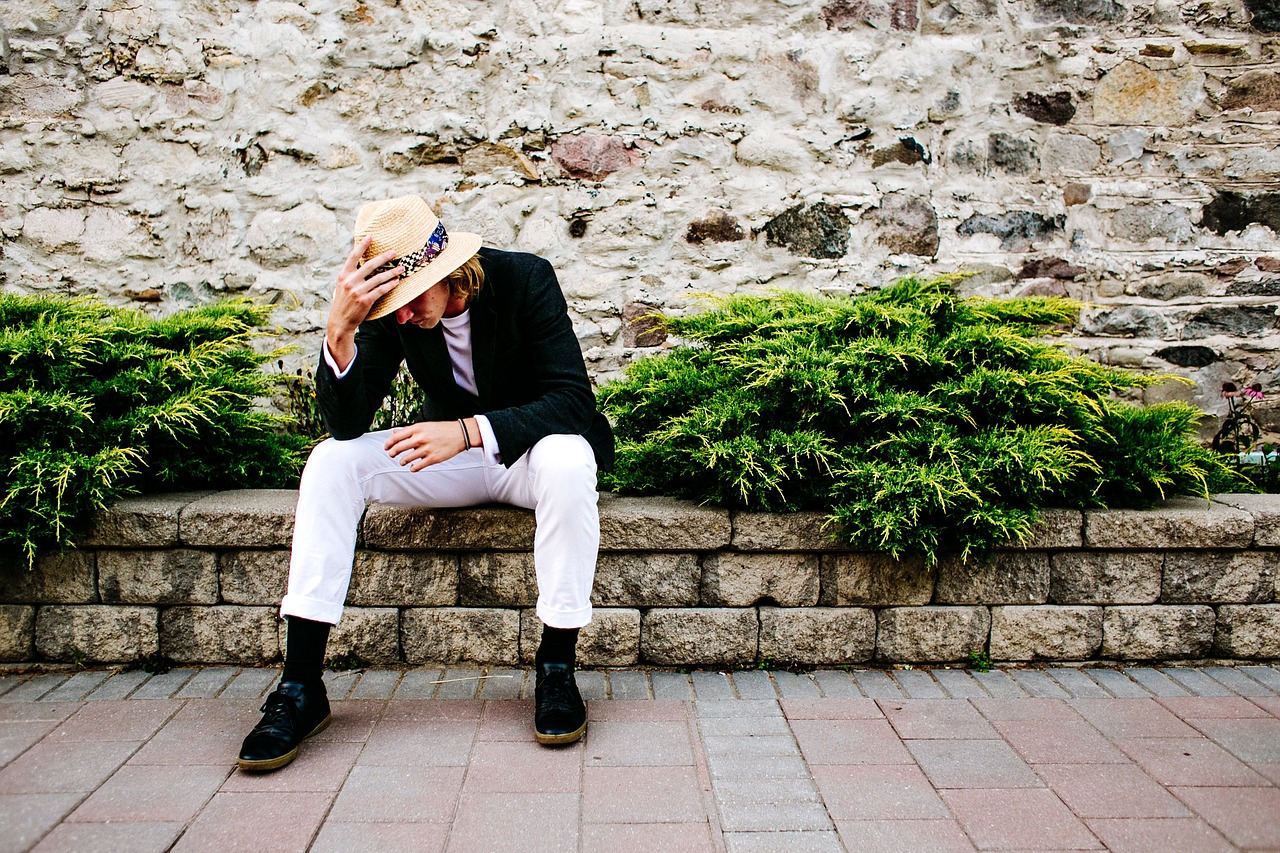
x=98 y=402
x=919 y=421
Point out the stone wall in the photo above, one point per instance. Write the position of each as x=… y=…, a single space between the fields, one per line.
x=1124 y=153
x=198 y=578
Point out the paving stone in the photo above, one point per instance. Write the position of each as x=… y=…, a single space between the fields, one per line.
x=78 y=766
x=1058 y=741
x=637 y=794
x=735 y=746
x=1248 y=817
x=514 y=767
x=999 y=685
x=1128 y=718
x=1197 y=762
x=1156 y=682
x=612 y=837
x=1110 y=791
x=742 y=708
x=744 y=726
x=959 y=684
x=164 y=684
x=1213 y=707
x=118 y=686
x=836 y=684
x=1196 y=682
x=855 y=708
x=339 y=684
x=234 y=820
x=773 y=817
x=27 y=817
x=1268 y=675
x=672 y=685
x=936 y=836
x=376 y=684
x=753 y=684
x=1038 y=684
x=399 y=793
x=591 y=685
x=1253 y=740
x=876 y=684
x=502 y=684
x=1119 y=684
x=459 y=684
x=251 y=683
x=152 y=793
x=207 y=683
x=955 y=763
x=137 y=837
x=918 y=684
x=629 y=684
x=1027 y=819
x=8 y=682
x=1077 y=682
x=639 y=744
x=795 y=685
x=897 y=792
x=1140 y=834
x=849 y=742
x=385 y=837
x=712 y=685
x=1235 y=680
x=78 y=686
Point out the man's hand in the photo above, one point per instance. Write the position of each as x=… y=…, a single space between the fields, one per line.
x=353 y=297
x=428 y=442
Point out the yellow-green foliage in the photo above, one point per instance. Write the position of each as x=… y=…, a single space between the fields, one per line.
x=920 y=421
x=97 y=402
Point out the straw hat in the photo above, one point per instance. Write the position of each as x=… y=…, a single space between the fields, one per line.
x=428 y=253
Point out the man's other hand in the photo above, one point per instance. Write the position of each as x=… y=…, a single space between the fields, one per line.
x=353 y=297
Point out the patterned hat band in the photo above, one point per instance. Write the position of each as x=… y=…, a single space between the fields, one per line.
x=415 y=261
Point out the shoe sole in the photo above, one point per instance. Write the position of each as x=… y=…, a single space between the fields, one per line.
x=280 y=761
x=567 y=737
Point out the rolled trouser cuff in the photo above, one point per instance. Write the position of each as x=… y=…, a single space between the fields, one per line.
x=314 y=609
x=564 y=618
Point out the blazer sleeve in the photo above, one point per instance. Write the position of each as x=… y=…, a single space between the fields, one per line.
x=560 y=399
x=348 y=404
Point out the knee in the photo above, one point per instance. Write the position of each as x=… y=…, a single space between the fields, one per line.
x=565 y=464
x=331 y=459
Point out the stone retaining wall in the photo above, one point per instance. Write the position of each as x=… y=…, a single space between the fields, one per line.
x=197 y=578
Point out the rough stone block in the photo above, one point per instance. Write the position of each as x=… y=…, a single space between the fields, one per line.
x=1265 y=510
x=783 y=531
x=659 y=579
x=874 y=579
x=481 y=528
x=1210 y=577
x=1057 y=528
x=1106 y=577
x=1157 y=632
x=699 y=635
x=396 y=579
x=1248 y=631
x=1000 y=577
x=823 y=636
x=97 y=633
x=931 y=634
x=56 y=579
x=253 y=577
x=661 y=524
x=371 y=634
x=611 y=638
x=497 y=579
x=1175 y=523
x=1045 y=633
x=143 y=521
x=17 y=632
x=742 y=580
x=166 y=576
x=224 y=633
x=245 y=518
x=458 y=634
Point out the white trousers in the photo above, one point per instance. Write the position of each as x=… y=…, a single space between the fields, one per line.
x=556 y=479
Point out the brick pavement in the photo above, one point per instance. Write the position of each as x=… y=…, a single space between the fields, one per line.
x=1137 y=759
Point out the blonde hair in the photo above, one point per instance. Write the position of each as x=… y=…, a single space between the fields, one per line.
x=465 y=282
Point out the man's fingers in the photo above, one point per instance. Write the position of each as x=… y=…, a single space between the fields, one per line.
x=357 y=252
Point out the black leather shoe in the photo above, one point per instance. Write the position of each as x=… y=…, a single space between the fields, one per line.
x=292 y=712
x=560 y=715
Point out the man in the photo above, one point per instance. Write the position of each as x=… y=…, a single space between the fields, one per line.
x=508 y=415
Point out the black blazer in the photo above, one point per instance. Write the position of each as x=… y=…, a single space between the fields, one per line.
x=529 y=371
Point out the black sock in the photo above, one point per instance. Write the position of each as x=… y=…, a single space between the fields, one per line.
x=559 y=645
x=304 y=646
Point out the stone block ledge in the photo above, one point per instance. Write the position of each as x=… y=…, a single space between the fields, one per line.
x=196 y=577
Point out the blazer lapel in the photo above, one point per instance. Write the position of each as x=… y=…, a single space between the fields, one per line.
x=484 y=332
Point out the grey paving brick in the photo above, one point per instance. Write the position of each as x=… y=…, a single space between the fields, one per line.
x=419 y=683
x=460 y=683
x=742 y=726
x=795 y=789
x=836 y=684
x=918 y=684
x=1156 y=681
x=671 y=685
x=712 y=685
x=339 y=684
x=1077 y=682
x=207 y=683
x=1268 y=675
x=163 y=685
x=754 y=684
x=8 y=682
x=77 y=686
x=34 y=687
x=998 y=684
x=1237 y=681
x=706 y=708
x=795 y=685
x=959 y=684
x=1196 y=681
x=118 y=686
x=876 y=684
x=591 y=685
x=792 y=842
x=502 y=684
x=1119 y=685
x=746 y=745
x=1038 y=684
x=629 y=684
x=252 y=683
x=774 y=817
x=377 y=684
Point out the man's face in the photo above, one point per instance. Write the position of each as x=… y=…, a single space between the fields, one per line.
x=426 y=309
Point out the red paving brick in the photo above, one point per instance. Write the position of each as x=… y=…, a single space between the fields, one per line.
x=26 y=712
x=432 y=710
x=273 y=821
x=903 y=836
x=647 y=837
x=110 y=837
x=318 y=767
x=1254 y=740
x=1248 y=817
x=353 y=721
x=27 y=817
x=1128 y=718
x=843 y=741
x=831 y=709
x=507 y=823
x=642 y=795
x=1110 y=790
x=1189 y=762
x=638 y=744
x=936 y=719
x=1271 y=704
x=414 y=743
x=50 y=767
x=507 y=720
x=510 y=766
x=1025 y=709
x=1211 y=707
x=878 y=792
x=405 y=794
x=1058 y=742
x=143 y=794
x=341 y=837
x=1144 y=835
x=126 y=719
x=1019 y=819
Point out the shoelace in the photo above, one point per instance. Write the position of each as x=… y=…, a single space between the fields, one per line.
x=279 y=710
x=557 y=693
